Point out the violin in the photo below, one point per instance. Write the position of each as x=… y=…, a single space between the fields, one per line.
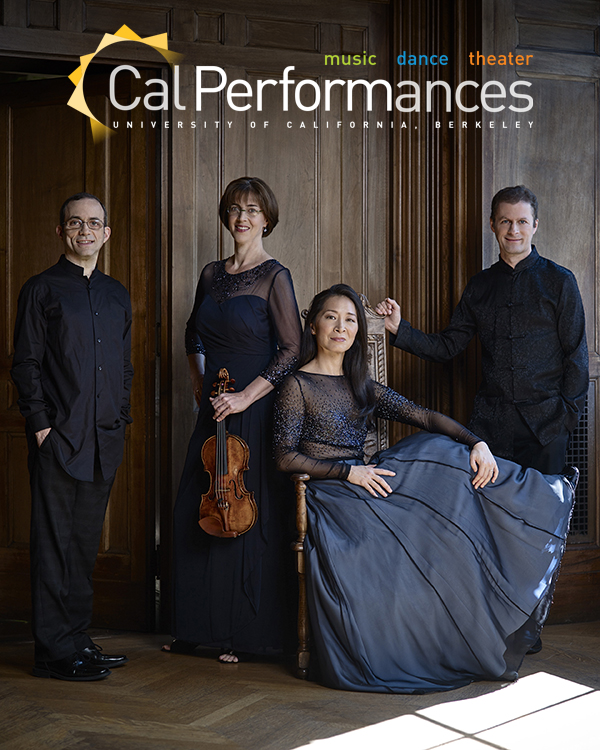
x=228 y=509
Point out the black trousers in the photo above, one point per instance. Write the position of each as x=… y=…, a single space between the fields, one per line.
x=66 y=522
x=530 y=453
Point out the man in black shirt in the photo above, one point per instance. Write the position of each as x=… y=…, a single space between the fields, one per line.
x=73 y=373
x=529 y=316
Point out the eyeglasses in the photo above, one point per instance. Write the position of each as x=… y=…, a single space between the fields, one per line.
x=72 y=224
x=238 y=211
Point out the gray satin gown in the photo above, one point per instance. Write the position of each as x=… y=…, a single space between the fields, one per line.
x=436 y=585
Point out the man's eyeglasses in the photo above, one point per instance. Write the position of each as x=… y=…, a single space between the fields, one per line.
x=238 y=211
x=76 y=224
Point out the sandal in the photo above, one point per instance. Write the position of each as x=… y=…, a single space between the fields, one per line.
x=239 y=656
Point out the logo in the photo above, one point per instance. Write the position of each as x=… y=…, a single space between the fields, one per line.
x=159 y=42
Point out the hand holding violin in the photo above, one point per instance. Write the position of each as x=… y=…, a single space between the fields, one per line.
x=229 y=403
x=232 y=403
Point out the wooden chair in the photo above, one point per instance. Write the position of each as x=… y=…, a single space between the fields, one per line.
x=377 y=440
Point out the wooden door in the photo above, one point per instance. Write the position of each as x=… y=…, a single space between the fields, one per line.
x=47 y=154
x=558 y=157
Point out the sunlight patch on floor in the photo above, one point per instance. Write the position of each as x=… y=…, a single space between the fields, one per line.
x=404 y=733
x=537 y=711
x=529 y=694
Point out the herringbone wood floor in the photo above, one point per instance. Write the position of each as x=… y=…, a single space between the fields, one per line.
x=174 y=702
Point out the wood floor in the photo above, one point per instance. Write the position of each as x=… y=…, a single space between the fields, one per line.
x=173 y=702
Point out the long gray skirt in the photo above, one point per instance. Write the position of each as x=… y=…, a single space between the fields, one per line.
x=438 y=584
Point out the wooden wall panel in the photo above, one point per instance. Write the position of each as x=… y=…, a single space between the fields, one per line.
x=43 y=14
x=284 y=35
x=14 y=13
x=61 y=128
x=542 y=35
x=196 y=239
x=144 y=19
x=435 y=246
x=380 y=174
x=208 y=27
x=566 y=232
x=332 y=186
x=287 y=158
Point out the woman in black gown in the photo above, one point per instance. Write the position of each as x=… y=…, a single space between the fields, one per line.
x=431 y=567
x=231 y=593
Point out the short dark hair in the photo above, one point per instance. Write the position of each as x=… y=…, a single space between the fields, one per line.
x=243 y=187
x=513 y=195
x=356 y=359
x=80 y=197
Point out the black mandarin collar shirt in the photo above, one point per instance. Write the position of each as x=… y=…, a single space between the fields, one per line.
x=522 y=265
x=72 y=365
x=531 y=325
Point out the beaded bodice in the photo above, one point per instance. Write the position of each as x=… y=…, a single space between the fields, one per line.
x=226 y=285
x=317 y=425
x=254 y=311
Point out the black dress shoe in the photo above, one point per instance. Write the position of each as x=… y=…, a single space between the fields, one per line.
x=73 y=668
x=536 y=648
x=93 y=656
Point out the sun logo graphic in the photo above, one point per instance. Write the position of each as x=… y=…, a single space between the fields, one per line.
x=159 y=42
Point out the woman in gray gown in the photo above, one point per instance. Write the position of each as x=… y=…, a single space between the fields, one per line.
x=434 y=565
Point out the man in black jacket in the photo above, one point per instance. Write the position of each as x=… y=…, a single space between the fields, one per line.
x=73 y=373
x=529 y=316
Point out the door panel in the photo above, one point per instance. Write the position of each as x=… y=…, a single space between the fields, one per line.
x=48 y=155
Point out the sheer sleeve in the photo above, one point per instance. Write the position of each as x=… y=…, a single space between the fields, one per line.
x=283 y=310
x=193 y=342
x=391 y=405
x=289 y=418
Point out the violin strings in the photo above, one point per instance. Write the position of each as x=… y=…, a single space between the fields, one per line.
x=221 y=456
x=220 y=459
